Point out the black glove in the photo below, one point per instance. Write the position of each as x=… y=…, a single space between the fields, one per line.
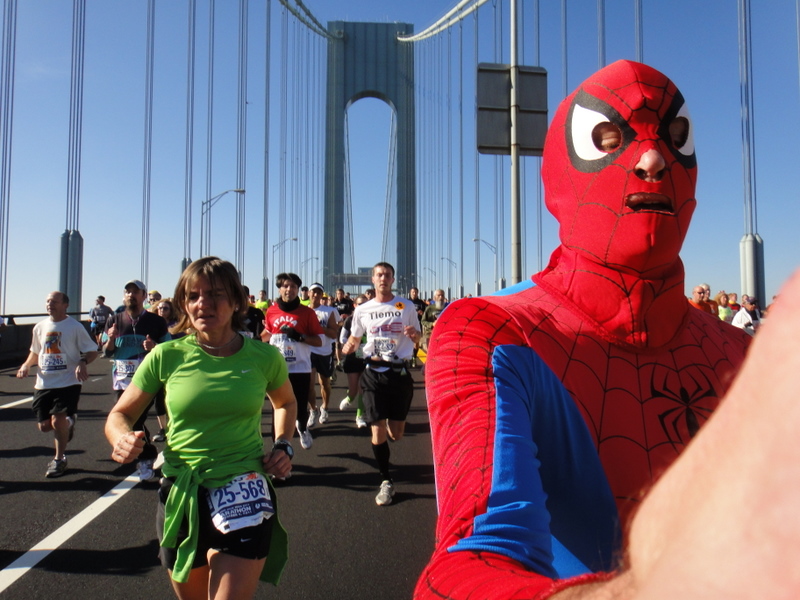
x=292 y=333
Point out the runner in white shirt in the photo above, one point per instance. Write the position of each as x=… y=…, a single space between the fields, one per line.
x=392 y=329
x=322 y=356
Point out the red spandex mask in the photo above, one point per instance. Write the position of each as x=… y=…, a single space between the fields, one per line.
x=620 y=169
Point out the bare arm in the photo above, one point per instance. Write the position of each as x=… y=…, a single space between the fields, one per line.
x=81 y=371
x=351 y=345
x=126 y=443
x=284 y=405
x=32 y=359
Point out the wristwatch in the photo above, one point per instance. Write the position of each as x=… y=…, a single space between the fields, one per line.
x=285 y=446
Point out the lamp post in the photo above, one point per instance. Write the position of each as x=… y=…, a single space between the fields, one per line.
x=205 y=220
x=494 y=251
x=308 y=260
x=275 y=248
x=455 y=266
x=433 y=287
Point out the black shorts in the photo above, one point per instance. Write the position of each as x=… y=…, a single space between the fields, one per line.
x=387 y=395
x=249 y=542
x=55 y=401
x=322 y=363
x=353 y=364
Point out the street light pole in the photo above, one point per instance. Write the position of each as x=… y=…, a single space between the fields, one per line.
x=306 y=261
x=494 y=251
x=455 y=268
x=205 y=220
x=275 y=248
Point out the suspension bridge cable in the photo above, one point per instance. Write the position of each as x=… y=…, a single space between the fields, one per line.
x=477 y=161
x=283 y=137
x=205 y=216
x=461 y=154
x=148 y=136
x=267 y=72
x=390 y=176
x=76 y=114
x=448 y=20
x=348 y=195
x=241 y=134
x=187 y=203
x=7 y=75
x=638 y=30
x=313 y=24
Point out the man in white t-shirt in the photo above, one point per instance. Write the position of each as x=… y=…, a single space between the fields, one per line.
x=322 y=356
x=392 y=329
x=62 y=348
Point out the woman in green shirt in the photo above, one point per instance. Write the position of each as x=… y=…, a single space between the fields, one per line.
x=218 y=522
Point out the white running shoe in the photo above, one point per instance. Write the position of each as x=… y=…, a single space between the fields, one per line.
x=345 y=404
x=361 y=422
x=305 y=439
x=385 y=494
x=323 y=416
x=312 y=418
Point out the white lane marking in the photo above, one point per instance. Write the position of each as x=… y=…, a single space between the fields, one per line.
x=40 y=551
x=16 y=403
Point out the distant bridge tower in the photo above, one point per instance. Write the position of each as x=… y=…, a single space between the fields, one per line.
x=365 y=60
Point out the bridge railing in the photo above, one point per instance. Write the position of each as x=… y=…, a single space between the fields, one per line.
x=16 y=339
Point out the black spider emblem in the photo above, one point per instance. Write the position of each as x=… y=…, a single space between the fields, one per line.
x=687 y=408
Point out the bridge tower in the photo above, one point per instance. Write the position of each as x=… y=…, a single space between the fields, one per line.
x=365 y=60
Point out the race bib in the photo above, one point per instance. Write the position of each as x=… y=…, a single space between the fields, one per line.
x=244 y=502
x=52 y=362
x=126 y=368
x=287 y=347
x=385 y=347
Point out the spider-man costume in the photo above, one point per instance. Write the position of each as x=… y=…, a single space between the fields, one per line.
x=556 y=406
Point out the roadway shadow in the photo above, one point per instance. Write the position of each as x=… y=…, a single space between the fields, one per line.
x=135 y=560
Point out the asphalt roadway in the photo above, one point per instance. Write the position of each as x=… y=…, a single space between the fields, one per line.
x=342 y=545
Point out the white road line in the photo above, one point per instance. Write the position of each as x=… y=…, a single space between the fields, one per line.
x=40 y=551
x=16 y=403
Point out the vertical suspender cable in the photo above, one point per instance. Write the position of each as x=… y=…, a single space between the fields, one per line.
x=283 y=141
x=536 y=60
x=449 y=170
x=148 y=137
x=461 y=155
x=265 y=233
x=205 y=220
x=8 y=52
x=187 y=203
x=639 y=31
x=564 y=71
x=76 y=114
x=477 y=165
x=601 y=33
x=241 y=135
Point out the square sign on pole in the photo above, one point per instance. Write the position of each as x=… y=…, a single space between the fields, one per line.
x=494 y=109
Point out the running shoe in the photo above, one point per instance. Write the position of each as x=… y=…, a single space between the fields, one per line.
x=146 y=472
x=306 y=440
x=361 y=421
x=71 y=420
x=385 y=494
x=56 y=468
x=312 y=418
x=161 y=436
x=323 y=416
x=344 y=404
x=333 y=376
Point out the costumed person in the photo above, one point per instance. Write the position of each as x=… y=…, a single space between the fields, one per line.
x=217 y=518
x=555 y=407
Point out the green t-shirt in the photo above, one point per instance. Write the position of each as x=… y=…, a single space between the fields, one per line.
x=214 y=433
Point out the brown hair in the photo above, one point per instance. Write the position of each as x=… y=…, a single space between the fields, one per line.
x=220 y=273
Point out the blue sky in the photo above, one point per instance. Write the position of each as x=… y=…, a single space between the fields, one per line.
x=694 y=43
